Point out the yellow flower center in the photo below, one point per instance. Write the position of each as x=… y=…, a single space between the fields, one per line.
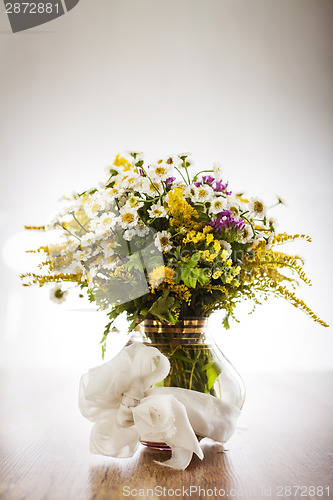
x=202 y=193
x=164 y=241
x=160 y=170
x=96 y=207
x=258 y=207
x=128 y=218
x=106 y=221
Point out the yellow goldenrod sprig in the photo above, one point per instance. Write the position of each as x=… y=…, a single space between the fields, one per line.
x=299 y=303
x=43 y=279
x=281 y=238
x=35 y=228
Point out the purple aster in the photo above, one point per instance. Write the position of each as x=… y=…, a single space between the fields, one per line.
x=169 y=181
x=225 y=220
x=208 y=179
x=219 y=186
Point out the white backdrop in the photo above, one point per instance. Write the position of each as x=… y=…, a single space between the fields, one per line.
x=248 y=83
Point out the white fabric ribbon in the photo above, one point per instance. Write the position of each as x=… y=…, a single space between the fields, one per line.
x=117 y=396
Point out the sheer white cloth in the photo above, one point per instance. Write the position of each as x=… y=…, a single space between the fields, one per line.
x=117 y=396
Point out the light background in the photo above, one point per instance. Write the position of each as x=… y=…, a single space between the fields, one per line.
x=246 y=82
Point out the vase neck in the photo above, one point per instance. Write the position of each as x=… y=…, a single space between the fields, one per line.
x=190 y=328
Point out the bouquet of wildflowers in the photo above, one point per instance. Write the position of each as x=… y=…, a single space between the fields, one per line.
x=155 y=242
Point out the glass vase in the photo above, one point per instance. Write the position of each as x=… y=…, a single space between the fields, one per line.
x=196 y=361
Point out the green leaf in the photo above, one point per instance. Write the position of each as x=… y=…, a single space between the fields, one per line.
x=225 y=322
x=161 y=308
x=212 y=373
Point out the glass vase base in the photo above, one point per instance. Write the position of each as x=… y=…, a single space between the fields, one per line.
x=156 y=446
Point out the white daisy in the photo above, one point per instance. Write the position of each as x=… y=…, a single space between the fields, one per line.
x=142 y=230
x=234 y=207
x=135 y=202
x=173 y=161
x=95 y=205
x=203 y=193
x=246 y=234
x=217 y=167
x=257 y=208
x=160 y=172
x=190 y=192
x=126 y=180
x=90 y=239
x=163 y=241
x=58 y=295
x=218 y=204
x=157 y=211
x=108 y=247
x=103 y=223
x=149 y=188
x=129 y=234
x=128 y=217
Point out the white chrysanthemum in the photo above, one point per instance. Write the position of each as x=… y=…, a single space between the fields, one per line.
x=217 y=167
x=173 y=161
x=58 y=295
x=203 y=193
x=134 y=202
x=142 y=230
x=226 y=246
x=246 y=234
x=160 y=172
x=103 y=223
x=163 y=241
x=257 y=208
x=190 y=192
x=129 y=234
x=218 y=204
x=95 y=205
x=271 y=223
x=90 y=239
x=149 y=188
x=128 y=217
x=109 y=194
x=157 y=211
x=234 y=207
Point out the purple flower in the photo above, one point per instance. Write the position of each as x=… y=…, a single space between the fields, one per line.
x=208 y=179
x=141 y=171
x=226 y=221
x=219 y=186
x=197 y=184
x=169 y=181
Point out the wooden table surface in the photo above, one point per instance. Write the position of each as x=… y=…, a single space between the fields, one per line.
x=283 y=441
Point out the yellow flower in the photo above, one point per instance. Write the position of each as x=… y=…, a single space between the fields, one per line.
x=122 y=162
x=224 y=256
x=209 y=238
x=217 y=274
x=216 y=246
x=182 y=212
x=157 y=275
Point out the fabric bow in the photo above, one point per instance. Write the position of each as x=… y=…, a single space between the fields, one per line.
x=117 y=396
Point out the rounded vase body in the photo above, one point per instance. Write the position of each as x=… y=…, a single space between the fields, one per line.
x=196 y=361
